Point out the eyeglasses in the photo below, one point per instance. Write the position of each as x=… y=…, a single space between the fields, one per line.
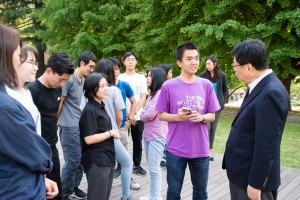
x=33 y=63
x=128 y=60
x=234 y=66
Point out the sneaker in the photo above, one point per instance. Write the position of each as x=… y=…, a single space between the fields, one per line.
x=139 y=171
x=65 y=198
x=134 y=185
x=117 y=172
x=78 y=193
x=163 y=164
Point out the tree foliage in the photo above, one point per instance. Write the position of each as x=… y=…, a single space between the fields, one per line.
x=276 y=22
x=154 y=28
x=19 y=14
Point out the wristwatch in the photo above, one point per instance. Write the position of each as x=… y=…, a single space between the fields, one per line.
x=203 y=118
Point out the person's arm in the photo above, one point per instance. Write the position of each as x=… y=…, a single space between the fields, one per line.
x=119 y=105
x=119 y=117
x=51 y=188
x=20 y=142
x=143 y=94
x=132 y=109
x=100 y=137
x=181 y=116
x=64 y=91
x=204 y=118
x=225 y=88
x=62 y=99
x=149 y=111
x=141 y=101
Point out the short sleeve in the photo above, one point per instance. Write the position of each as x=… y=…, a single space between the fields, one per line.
x=129 y=91
x=88 y=123
x=144 y=85
x=119 y=103
x=163 y=100
x=66 y=87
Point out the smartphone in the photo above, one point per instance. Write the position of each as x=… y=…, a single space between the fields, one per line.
x=187 y=110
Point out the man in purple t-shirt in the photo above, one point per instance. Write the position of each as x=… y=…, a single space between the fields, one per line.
x=187 y=103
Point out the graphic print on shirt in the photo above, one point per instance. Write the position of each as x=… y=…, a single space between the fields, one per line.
x=195 y=103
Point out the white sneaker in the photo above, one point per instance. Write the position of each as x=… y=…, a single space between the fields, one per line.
x=134 y=185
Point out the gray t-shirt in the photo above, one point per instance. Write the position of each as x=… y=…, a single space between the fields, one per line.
x=72 y=90
x=114 y=102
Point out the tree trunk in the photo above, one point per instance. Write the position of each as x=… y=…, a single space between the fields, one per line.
x=41 y=59
x=287 y=84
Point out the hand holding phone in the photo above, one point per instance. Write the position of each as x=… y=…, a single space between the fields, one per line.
x=187 y=111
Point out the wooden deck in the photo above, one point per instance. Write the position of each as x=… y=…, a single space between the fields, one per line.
x=217 y=183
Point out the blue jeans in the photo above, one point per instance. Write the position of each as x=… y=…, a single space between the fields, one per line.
x=176 y=166
x=123 y=157
x=72 y=170
x=154 y=151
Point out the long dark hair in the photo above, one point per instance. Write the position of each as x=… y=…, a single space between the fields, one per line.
x=9 y=42
x=217 y=71
x=158 y=76
x=106 y=67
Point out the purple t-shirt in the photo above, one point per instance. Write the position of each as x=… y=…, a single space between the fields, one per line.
x=188 y=139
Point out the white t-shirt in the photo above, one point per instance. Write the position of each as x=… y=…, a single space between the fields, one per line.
x=25 y=98
x=138 y=84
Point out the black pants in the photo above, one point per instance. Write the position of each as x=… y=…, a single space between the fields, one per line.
x=137 y=135
x=99 y=182
x=238 y=193
x=54 y=175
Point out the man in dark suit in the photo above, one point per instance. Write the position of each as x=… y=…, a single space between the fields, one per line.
x=252 y=155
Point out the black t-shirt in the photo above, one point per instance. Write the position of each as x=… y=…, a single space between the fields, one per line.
x=47 y=101
x=94 y=119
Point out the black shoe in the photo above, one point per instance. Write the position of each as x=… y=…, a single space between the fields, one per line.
x=139 y=171
x=117 y=171
x=211 y=159
x=163 y=164
x=78 y=193
x=65 y=198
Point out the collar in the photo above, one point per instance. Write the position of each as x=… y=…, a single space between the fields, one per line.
x=254 y=83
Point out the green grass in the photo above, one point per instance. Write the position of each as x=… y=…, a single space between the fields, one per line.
x=290 y=144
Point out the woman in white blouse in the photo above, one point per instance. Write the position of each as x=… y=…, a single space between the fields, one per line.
x=26 y=72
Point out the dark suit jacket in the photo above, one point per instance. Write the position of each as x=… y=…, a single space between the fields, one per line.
x=252 y=154
x=222 y=87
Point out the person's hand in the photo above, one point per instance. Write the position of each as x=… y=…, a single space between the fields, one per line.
x=133 y=120
x=115 y=134
x=128 y=123
x=253 y=193
x=196 y=117
x=51 y=188
x=183 y=116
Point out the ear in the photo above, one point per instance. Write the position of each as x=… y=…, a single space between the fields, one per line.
x=81 y=64
x=48 y=70
x=178 y=62
x=250 y=67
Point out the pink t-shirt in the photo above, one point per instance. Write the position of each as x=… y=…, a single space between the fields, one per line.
x=188 y=139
